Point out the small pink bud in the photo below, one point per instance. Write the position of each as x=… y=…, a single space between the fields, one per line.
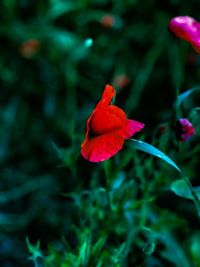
x=184 y=129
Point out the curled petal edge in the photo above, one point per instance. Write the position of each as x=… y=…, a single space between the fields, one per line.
x=102 y=147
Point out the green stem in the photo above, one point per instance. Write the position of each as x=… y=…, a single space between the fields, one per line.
x=195 y=197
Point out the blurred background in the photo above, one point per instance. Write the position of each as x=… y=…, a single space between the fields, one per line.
x=56 y=56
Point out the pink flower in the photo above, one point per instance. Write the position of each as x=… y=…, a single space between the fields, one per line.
x=184 y=129
x=188 y=29
x=107 y=128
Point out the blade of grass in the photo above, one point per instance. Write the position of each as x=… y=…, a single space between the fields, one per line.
x=177 y=72
x=144 y=74
x=176 y=66
x=147 y=148
x=186 y=94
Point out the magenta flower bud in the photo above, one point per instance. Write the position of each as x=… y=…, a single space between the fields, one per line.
x=188 y=29
x=184 y=129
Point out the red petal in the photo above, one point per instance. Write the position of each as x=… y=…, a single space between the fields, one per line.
x=196 y=44
x=107 y=119
x=130 y=128
x=102 y=147
x=87 y=129
x=108 y=94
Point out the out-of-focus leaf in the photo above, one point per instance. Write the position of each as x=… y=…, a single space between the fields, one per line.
x=186 y=94
x=97 y=247
x=194 y=114
x=149 y=248
x=143 y=74
x=119 y=254
x=34 y=250
x=186 y=190
x=173 y=251
x=28 y=187
x=118 y=181
x=180 y=188
x=194 y=249
x=10 y=5
x=67 y=155
x=176 y=65
x=59 y=8
x=147 y=148
x=88 y=42
x=63 y=40
x=84 y=252
x=132 y=205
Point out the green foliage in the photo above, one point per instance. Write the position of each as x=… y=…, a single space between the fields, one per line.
x=186 y=94
x=34 y=251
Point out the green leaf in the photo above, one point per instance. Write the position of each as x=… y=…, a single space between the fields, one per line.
x=147 y=148
x=186 y=190
x=173 y=250
x=186 y=94
x=84 y=253
x=176 y=65
x=144 y=73
x=58 y=9
x=194 y=249
x=68 y=156
x=119 y=254
x=180 y=188
x=149 y=248
x=97 y=247
x=62 y=40
x=10 y=6
x=34 y=250
x=88 y=42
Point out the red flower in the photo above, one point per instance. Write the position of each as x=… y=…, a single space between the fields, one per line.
x=121 y=81
x=29 y=48
x=187 y=29
x=108 y=21
x=107 y=128
x=184 y=129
